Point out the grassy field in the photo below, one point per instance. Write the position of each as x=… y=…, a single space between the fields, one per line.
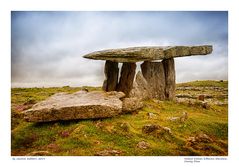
x=121 y=135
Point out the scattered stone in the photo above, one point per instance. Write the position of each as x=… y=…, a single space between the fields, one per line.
x=109 y=152
x=193 y=102
x=131 y=104
x=143 y=145
x=199 y=138
x=150 y=128
x=188 y=88
x=99 y=124
x=151 y=115
x=168 y=130
x=79 y=105
x=196 y=99
x=39 y=153
x=205 y=105
x=183 y=100
x=202 y=142
x=220 y=103
x=174 y=118
x=156 y=130
x=191 y=139
x=184 y=117
x=185 y=96
x=215 y=88
x=125 y=127
x=126 y=78
x=203 y=138
x=201 y=97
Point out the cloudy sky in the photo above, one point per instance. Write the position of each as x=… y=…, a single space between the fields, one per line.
x=47 y=47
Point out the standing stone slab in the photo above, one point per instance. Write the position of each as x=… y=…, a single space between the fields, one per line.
x=126 y=78
x=154 y=74
x=140 y=87
x=169 y=71
x=111 y=74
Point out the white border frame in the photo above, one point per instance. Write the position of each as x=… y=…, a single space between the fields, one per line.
x=110 y=5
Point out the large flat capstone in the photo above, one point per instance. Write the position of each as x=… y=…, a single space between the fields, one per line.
x=135 y=54
x=79 y=105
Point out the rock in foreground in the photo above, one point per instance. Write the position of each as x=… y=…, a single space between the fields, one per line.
x=131 y=104
x=80 y=105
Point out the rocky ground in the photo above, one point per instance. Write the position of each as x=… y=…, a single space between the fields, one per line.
x=196 y=123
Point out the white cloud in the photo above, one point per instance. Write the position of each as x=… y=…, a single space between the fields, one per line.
x=47 y=47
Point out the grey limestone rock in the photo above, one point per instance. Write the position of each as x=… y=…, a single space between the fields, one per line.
x=148 y=53
x=111 y=75
x=170 y=84
x=79 y=105
x=140 y=88
x=154 y=74
x=126 y=78
x=131 y=104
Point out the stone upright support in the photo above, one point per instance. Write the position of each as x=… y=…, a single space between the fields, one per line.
x=169 y=70
x=141 y=89
x=111 y=74
x=154 y=74
x=126 y=78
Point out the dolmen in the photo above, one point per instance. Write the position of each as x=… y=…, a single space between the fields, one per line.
x=122 y=93
x=157 y=76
